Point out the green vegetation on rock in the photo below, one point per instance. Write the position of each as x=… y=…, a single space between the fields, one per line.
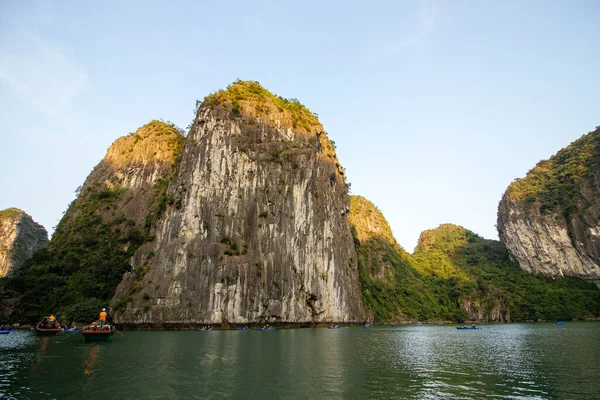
x=262 y=102
x=557 y=183
x=85 y=259
x=94 y=242
x=455 y=275
x=11 y=213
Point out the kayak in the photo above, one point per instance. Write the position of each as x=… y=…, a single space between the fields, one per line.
x=242 y=329
x=4 y=332
x=266 y=329
x=75 y=330
x=367 y=326
x=204 y=330
x=560 y=322
x=467 y=328
x=334 y=327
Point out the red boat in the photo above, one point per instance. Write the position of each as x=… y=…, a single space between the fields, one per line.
x=46 y=331
x=95 y=334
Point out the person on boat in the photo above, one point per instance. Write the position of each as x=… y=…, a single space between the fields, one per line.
x=51 y=321
x=102 y=318
x=473 y=325
x=464 y=325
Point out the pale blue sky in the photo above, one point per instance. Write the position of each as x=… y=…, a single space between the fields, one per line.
x=435 y=106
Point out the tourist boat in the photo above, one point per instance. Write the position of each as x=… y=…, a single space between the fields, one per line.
x=46 y=331
x=467 y=328
x=97 y=335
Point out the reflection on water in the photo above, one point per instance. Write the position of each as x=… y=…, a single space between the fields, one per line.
x=533 y=361
x=90 y=361
x=41 y=354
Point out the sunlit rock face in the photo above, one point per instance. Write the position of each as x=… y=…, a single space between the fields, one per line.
x=20 y=237
x=255 y=229
x=550 y=220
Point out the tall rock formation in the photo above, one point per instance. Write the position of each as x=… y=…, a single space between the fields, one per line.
x=456 y=275
x=392 y=288
x=95 y=240
x=374 y=240
x=550 y=220
x=20 y=236
x=256 y=226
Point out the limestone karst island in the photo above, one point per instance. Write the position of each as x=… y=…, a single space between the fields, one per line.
x=245 y=222
x=299 y=200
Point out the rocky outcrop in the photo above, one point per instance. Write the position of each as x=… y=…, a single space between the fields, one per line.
x=132 y=176
x=478 y=311
x=549 y=220
x=115 y=208
x=256 y=226
x=20 y=236
x=476 y=267
x=95 y=240
x=376 y=245
x=391 y=287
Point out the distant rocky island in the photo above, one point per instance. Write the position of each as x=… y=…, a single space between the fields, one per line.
x=550 y=220
x=247 y=219
x=20 y=237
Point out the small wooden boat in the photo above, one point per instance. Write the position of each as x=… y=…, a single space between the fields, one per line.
x=47 y=331
x=90 y=334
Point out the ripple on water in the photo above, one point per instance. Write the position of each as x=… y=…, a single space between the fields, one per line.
x=419 y=362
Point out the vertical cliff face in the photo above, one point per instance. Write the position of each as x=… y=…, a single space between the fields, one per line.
x=257 y=229
x=20 y=237
x=549 y=220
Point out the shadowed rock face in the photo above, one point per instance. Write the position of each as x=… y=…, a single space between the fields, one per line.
x=111 y=217
x=257 y=230
x=20 y=237
x=549 y=220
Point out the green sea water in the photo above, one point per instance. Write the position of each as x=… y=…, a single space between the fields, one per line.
x=512 y=361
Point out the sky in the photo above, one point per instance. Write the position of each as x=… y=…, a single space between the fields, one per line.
x=435 y=106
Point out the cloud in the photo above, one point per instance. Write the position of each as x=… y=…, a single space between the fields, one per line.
x=417 y=28
x=40 y=72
